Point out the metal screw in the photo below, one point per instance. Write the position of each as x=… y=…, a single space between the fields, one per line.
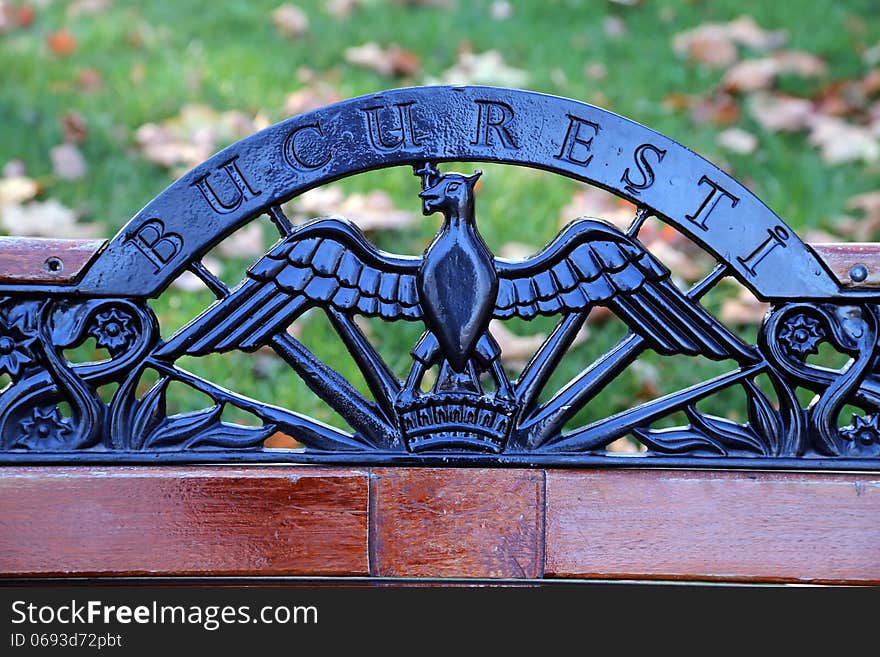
x=858 y=273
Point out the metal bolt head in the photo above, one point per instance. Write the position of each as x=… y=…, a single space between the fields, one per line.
x=858 y=273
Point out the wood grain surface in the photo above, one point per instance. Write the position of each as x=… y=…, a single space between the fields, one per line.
x=456 y=523
x=36 y=260
x=440 y=522
x=28 y=259
x=842 y=257
x=183 y=520
x=662 y=524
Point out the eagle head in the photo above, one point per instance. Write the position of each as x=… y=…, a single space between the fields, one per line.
x=451 y=193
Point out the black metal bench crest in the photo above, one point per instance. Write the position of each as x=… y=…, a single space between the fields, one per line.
x=454 y=289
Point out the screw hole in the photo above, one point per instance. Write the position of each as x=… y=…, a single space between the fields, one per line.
x=54 y=265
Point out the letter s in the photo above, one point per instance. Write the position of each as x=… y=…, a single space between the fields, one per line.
x=644 y=167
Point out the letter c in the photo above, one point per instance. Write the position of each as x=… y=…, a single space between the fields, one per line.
x=299 y=155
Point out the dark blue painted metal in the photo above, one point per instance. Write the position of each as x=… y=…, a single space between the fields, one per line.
x=473 y=413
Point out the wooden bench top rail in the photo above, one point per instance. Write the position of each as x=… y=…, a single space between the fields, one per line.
x=455 y=523
x=41 y=260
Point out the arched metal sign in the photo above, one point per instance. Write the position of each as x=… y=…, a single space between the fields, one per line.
x=476 y=411
x=464 y=124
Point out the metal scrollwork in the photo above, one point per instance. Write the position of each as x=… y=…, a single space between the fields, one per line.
x=471 y=409
x=34 y=335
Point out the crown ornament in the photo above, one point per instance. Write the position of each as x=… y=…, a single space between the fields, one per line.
x=455 y=420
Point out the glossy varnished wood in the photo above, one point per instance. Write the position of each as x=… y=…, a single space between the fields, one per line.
x=764 y=526
x=842 y=257
x=183 y=520
x=440 y=522
x=456 y=522
x=36 y=260
x=27 y=259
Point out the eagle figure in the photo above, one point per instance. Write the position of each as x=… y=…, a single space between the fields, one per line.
x=456 y=288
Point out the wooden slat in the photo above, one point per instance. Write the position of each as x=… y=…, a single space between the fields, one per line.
x=791 y=527
x=456 y=523
x=24 y=259
x=439 y=522
x=183 y=521
x=35 y=260
x=841 y=258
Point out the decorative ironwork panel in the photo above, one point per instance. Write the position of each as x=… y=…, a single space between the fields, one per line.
x=472 y=410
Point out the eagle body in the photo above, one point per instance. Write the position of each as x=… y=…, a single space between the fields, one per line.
x=457 y=285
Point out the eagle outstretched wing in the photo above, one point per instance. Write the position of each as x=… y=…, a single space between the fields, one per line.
x=328 y=262
x=592 y=263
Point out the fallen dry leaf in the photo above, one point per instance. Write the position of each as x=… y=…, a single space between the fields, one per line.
x=688 y=265
x=48 y=218
x=595 y=71
x=500 y=10
x=340 y=9
x=372 y=211
x=89 y=80
x=291 y=21
x=87 y=7
x=246 y=242
x=743 y=309
x=754 y=74
x=516 y=350
x=390 y=61
x=750 y=75
x=15 y=16
x=715 y=44
x=14 y=169
x=192 y=136
x=61 y=43
x=314 y=95
x=279 y=440
x=486 y=68
x=745 y=31
x=779 y=113
x=865 y=228
x=614 y=27
x=870 y=84
x=737 y=140
x=718 y=109
x=647 y=377
x=589 y=201
x=869 y=203
x=839 y=141
x=708 y=44
x=74 y=127
x=625 y=445
x=843 y=98
x=67 y=162
x=799 y=62
x=17 y=189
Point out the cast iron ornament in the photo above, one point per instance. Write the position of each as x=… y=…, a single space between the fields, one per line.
x=473 y=413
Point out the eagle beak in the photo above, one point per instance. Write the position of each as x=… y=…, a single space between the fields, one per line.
x=428 y=196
